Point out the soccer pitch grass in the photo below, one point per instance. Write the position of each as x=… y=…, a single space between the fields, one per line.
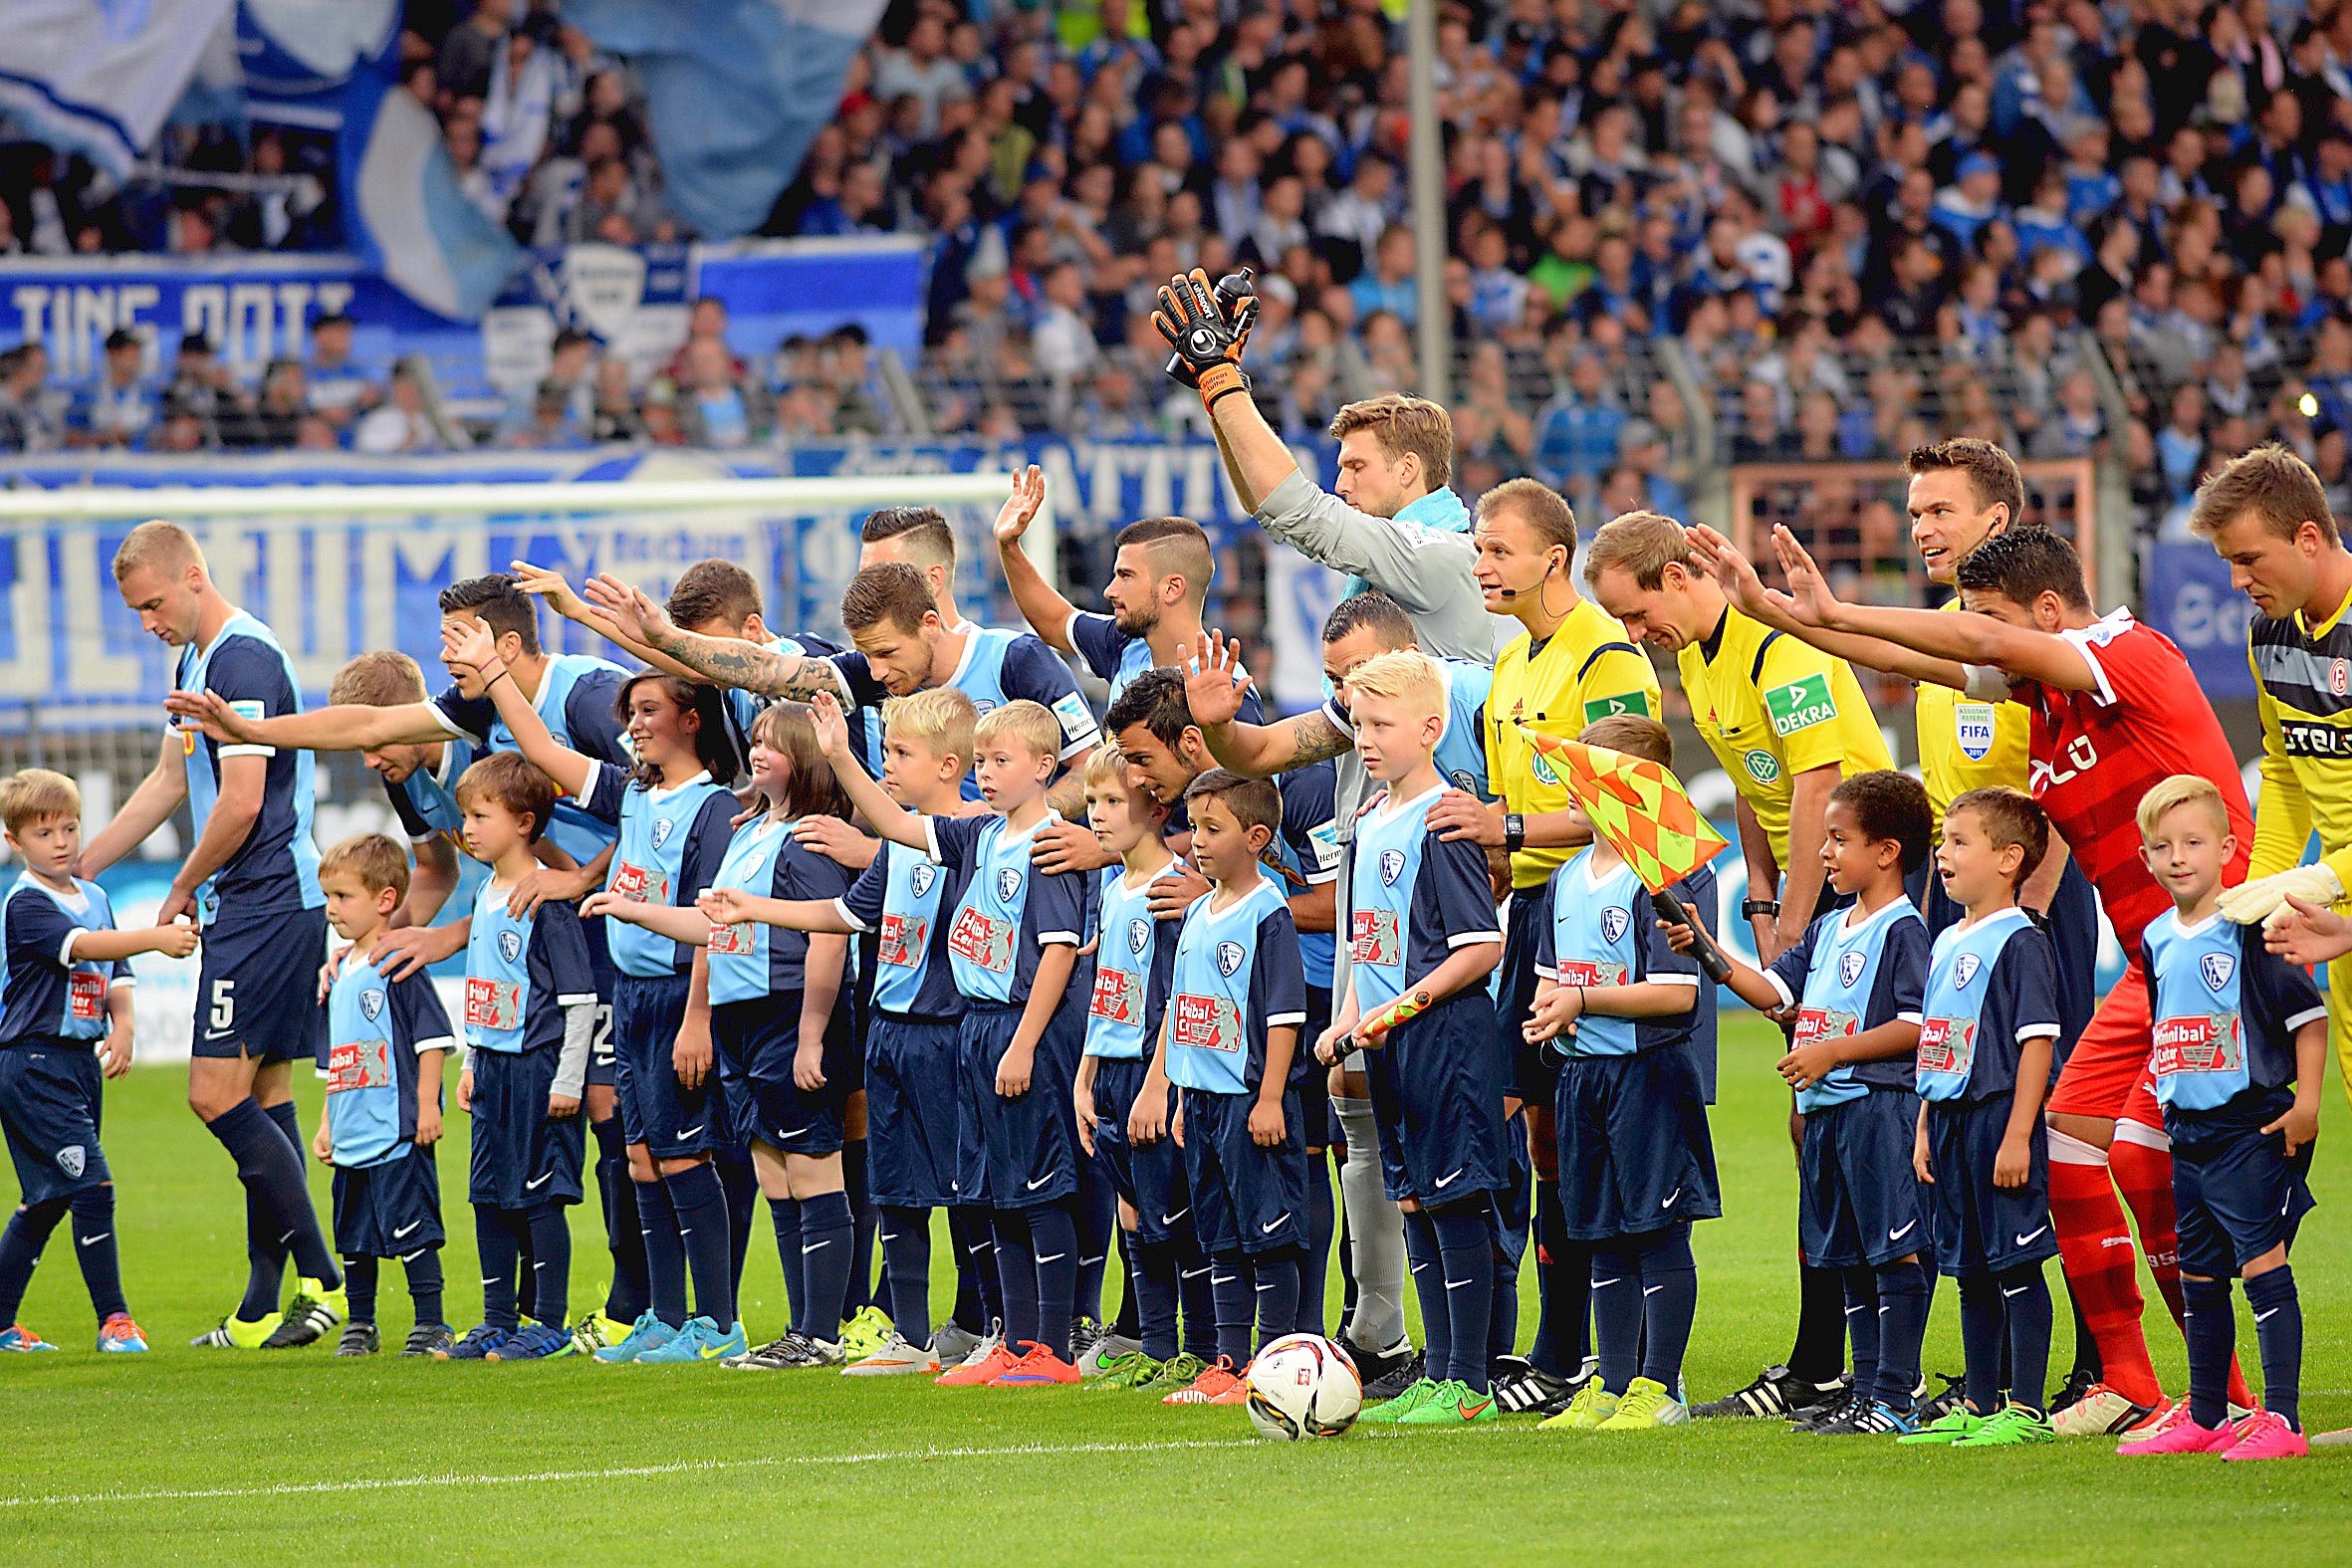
x=297 y=1457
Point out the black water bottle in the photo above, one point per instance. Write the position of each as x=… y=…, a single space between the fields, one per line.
x=1232 y=289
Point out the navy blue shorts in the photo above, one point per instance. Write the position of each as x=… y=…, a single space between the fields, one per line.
x=608 y=983
x=910 y=1110
x=1148 y=1175
x=672 y=1122
x=1859 y=1201
x=1310 y=1078
x=2237 y=1192
x=1635 y=1152
x=1535 y=1072
x=257 y=987
x=1437 y=1086
x=1245 y=1198
x=753 y=1044
x=50 y=1099
x=1027 y=1146
x=520 y=1156
x=392 y=1210
x=1982 y=1228
x=860 y=1007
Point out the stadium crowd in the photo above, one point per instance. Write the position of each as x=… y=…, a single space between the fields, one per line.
x=2081 y=230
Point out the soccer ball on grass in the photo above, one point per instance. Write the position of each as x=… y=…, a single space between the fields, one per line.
x=1304 y=1386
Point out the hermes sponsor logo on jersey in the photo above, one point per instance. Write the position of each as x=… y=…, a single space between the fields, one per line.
x=1800 y=705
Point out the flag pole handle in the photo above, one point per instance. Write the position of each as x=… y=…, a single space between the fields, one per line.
x=1712 y=962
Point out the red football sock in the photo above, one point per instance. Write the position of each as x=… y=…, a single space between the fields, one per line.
x=2095 y=1249
x=2144 y=1171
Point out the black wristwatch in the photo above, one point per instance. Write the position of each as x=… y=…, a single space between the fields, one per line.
x=1515 y=831
x=1768 y=908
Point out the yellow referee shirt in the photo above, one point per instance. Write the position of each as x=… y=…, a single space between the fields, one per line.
x=1969 y=745
x=1769 y=707
x=2304 y=676
x=1588 y=669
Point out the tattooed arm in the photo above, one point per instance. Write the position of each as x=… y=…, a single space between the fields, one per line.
x=1213 y=688
x=724 y=661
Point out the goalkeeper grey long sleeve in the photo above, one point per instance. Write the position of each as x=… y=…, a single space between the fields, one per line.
x=1424 y=568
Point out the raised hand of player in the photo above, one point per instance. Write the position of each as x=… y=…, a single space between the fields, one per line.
x=1735 y=575
x=1014 y=1070
x=2311 y=934
x=541 y=583
x=1213 y=678
x=1021 y=506
x=1195 y=325
x=469 y=644
x=1811 y=600
x=838 y=840
x=631 y=609
x=113 y=1058
x=210 y=712
x=832 y=726
x=690 y=1057
x=1069 y=846
x=1173 y=892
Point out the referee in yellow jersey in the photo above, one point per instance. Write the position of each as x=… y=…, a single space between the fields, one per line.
x=1569 y=664
x=2267 y=516
x=1787 y=722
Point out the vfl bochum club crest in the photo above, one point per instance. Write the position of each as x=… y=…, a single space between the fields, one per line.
x=1008 y=885
x=661 y=831
x=72 y=1159
x=2217 y=967
x=1392 y=866
x=371 y=1004
x=1850 y=969
x=922 y=877
x=510 y=945
x=1138 y=935
x=1229 y=956
x=1613 y=922
x=1964 y=969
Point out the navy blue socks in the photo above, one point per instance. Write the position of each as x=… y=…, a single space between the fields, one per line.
x=906 y=1271
x=1668 y=1304
x=828 y=1241
x=1902 y=1328
x=1054 y=1244
x=624 y=1235
x=2278 y=1330
x=95 y=1249
x=665 y=1252
x=19 y=1248
x=500 y=1249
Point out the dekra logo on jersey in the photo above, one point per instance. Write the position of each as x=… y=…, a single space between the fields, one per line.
x=1392 y=866
x=1849 y=970
x=2217 y=968
x=1613 y=922
x=1229 y=956
x=510 y=945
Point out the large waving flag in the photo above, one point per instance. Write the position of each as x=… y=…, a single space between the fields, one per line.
x=735 y=91
x=99 y=76
x=1645 y=814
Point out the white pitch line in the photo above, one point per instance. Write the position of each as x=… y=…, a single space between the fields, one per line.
x=616 y=1473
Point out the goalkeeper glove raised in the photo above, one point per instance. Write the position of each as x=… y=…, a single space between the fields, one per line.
x=2263 y=900
x=1208 y=343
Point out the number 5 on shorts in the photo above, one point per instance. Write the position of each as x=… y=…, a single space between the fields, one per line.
x=224 y=1007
